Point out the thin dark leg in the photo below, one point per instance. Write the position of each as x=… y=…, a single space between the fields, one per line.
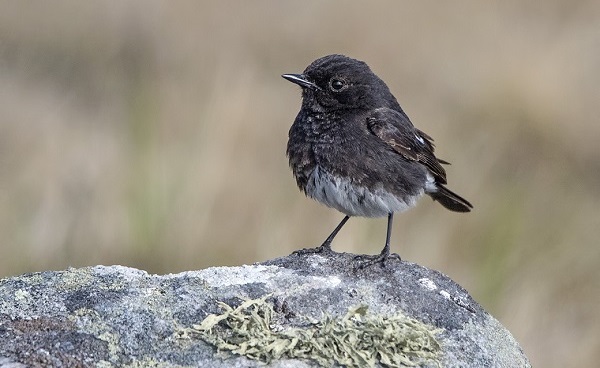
x=327 y=242
x=385 y=252
x=326 y=246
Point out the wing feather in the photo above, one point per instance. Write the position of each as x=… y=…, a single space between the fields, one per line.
x=397 y=131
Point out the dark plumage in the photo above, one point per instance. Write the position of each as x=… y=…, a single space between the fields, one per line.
x=354 y=149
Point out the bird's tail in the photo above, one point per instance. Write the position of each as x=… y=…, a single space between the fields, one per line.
x=450 y=200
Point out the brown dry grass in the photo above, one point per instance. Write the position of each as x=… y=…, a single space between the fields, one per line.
x=153 y=134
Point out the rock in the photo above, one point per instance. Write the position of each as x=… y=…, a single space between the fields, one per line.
x=284 y=309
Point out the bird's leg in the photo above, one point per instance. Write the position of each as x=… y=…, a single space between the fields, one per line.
x=326 y=246
x=385 y=252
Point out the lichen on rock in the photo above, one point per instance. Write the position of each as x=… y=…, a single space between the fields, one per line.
x=358 y=339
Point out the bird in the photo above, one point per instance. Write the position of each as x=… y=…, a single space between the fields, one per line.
x=352 y=148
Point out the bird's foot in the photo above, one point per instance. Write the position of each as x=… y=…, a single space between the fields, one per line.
x=368 y=261
x=322 y=249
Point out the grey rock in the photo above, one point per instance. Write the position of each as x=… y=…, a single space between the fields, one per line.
x=117 y=316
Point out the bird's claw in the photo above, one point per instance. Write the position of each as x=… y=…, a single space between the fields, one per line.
x=367 y=261
x=322 y=249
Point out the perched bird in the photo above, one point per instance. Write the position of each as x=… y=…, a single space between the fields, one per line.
x=353 y=148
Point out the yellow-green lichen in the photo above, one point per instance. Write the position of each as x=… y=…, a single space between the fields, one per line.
x=91 y=322
x=358 y=339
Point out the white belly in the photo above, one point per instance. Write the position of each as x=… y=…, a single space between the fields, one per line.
x=354 y=200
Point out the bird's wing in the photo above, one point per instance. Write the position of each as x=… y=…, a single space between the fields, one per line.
x=396 y=130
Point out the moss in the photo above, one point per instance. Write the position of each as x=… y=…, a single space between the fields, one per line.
x=358 y=339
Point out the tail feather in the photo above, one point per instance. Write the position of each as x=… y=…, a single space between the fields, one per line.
x=450 y=200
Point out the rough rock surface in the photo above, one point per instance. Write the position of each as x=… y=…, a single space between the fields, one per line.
x=122 y=317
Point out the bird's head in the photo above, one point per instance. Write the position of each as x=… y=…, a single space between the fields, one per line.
x=337 y=82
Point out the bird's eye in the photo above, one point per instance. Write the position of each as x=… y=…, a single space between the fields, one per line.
x=337 y=85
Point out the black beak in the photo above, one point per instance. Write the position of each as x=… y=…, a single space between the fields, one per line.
x=300 y=80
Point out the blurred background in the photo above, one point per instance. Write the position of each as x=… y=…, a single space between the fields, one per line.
x=152 y=134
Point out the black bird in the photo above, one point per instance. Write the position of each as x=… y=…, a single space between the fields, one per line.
x=353 y=148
